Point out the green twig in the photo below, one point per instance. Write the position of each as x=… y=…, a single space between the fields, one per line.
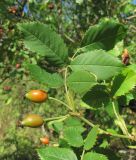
x=61 y=102
x=75 y=53
x=82 y=156
x=121 y=122
x=101 y=131
x=65 y=80
x=55 y=118
x=132 y=147
x=69 y=38
x=69 y=101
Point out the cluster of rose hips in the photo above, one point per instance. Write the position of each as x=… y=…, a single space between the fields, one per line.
x=34 y=120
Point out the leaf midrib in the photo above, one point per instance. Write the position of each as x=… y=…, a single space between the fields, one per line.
x=99 y=65
x=82 y=82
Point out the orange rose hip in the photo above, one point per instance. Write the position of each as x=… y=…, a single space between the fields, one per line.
x=37 y=96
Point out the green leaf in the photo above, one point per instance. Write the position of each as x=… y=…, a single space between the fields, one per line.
x=81 y=81
x=123 y=83
x=132 y=67
x=108 y=152
x=54 y=153
x=52 y=80
x=97 y=97
x=91 y=138
x=58 y=126
x=94 y=156
x=104 y=35
x=73 y=136
x=128 y=8
x=104 y=144
x=98 y=62
x=40 y=38
x=63 y=143
x=117 y=50
x=72 y=121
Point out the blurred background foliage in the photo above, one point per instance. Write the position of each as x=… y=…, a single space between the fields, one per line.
x=68 y=18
